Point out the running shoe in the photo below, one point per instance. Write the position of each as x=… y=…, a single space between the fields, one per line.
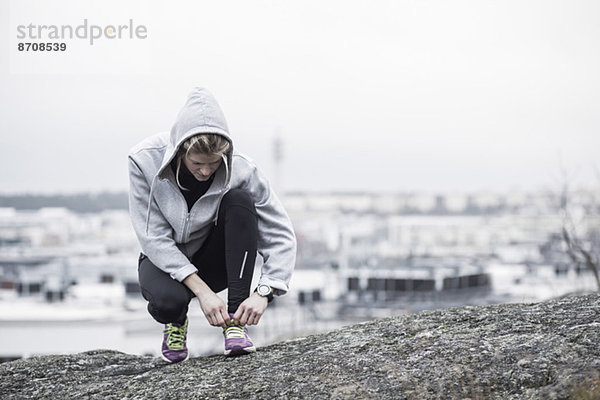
x=174 y=348
x=237 y=341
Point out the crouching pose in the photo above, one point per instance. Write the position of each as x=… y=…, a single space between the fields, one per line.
x=201 y=213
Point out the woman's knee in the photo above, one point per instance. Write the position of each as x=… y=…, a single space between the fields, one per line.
x=171 y=301
x=237 y=197
x=168 y=306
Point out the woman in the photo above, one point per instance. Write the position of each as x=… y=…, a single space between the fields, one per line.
x=201 y=212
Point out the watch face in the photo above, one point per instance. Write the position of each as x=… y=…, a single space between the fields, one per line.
x=264 y=290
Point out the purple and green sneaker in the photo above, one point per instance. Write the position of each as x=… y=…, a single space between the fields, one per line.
x=237 y=341
x=174 y=348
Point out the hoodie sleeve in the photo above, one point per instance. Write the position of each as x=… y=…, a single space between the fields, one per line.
x=154 y=233
x=276 y=238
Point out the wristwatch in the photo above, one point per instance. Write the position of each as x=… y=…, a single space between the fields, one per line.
x=265 y=291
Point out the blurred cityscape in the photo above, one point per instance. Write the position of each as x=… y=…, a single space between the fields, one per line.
x=68 y=275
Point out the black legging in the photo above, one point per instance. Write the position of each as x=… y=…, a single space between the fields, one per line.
x=226 y=260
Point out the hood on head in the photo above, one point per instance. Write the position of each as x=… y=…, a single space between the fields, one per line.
x=200 y=114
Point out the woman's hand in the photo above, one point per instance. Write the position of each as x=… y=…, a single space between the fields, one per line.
x=251 y=309
x=212 y=306
x=214 y=309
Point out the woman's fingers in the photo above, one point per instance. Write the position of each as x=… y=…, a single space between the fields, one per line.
x=214 y=310
x=224 y=318
x=245 y=316
x=248 y=313
x=219 y=317
x=250 y=317
x=251 y=310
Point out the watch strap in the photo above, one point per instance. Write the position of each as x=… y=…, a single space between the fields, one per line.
x=269 y=297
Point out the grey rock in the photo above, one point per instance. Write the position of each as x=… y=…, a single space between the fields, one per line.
x=509 y=351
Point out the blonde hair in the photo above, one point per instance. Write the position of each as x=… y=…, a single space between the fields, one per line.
x=206 y=143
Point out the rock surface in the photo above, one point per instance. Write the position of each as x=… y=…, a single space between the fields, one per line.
x=511 y=351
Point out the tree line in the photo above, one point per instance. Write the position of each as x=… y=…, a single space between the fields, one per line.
x=81 y=202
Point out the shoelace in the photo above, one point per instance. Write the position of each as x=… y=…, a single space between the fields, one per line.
x=234 y=331
x=176 y=337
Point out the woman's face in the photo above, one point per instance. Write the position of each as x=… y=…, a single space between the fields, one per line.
x=202 y=166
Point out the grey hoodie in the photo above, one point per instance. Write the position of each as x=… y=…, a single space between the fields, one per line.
x=168 y=234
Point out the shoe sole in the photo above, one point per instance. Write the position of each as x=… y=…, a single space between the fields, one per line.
x=174 y=362
x=240 y=351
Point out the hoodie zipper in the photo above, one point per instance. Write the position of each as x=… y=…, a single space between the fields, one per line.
x=187 y=215
x=186 y=222
x=185 y=226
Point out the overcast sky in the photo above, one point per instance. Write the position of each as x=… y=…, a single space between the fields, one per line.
x=395 y=95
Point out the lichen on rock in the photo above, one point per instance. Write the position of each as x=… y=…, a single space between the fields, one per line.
x=512 y=351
